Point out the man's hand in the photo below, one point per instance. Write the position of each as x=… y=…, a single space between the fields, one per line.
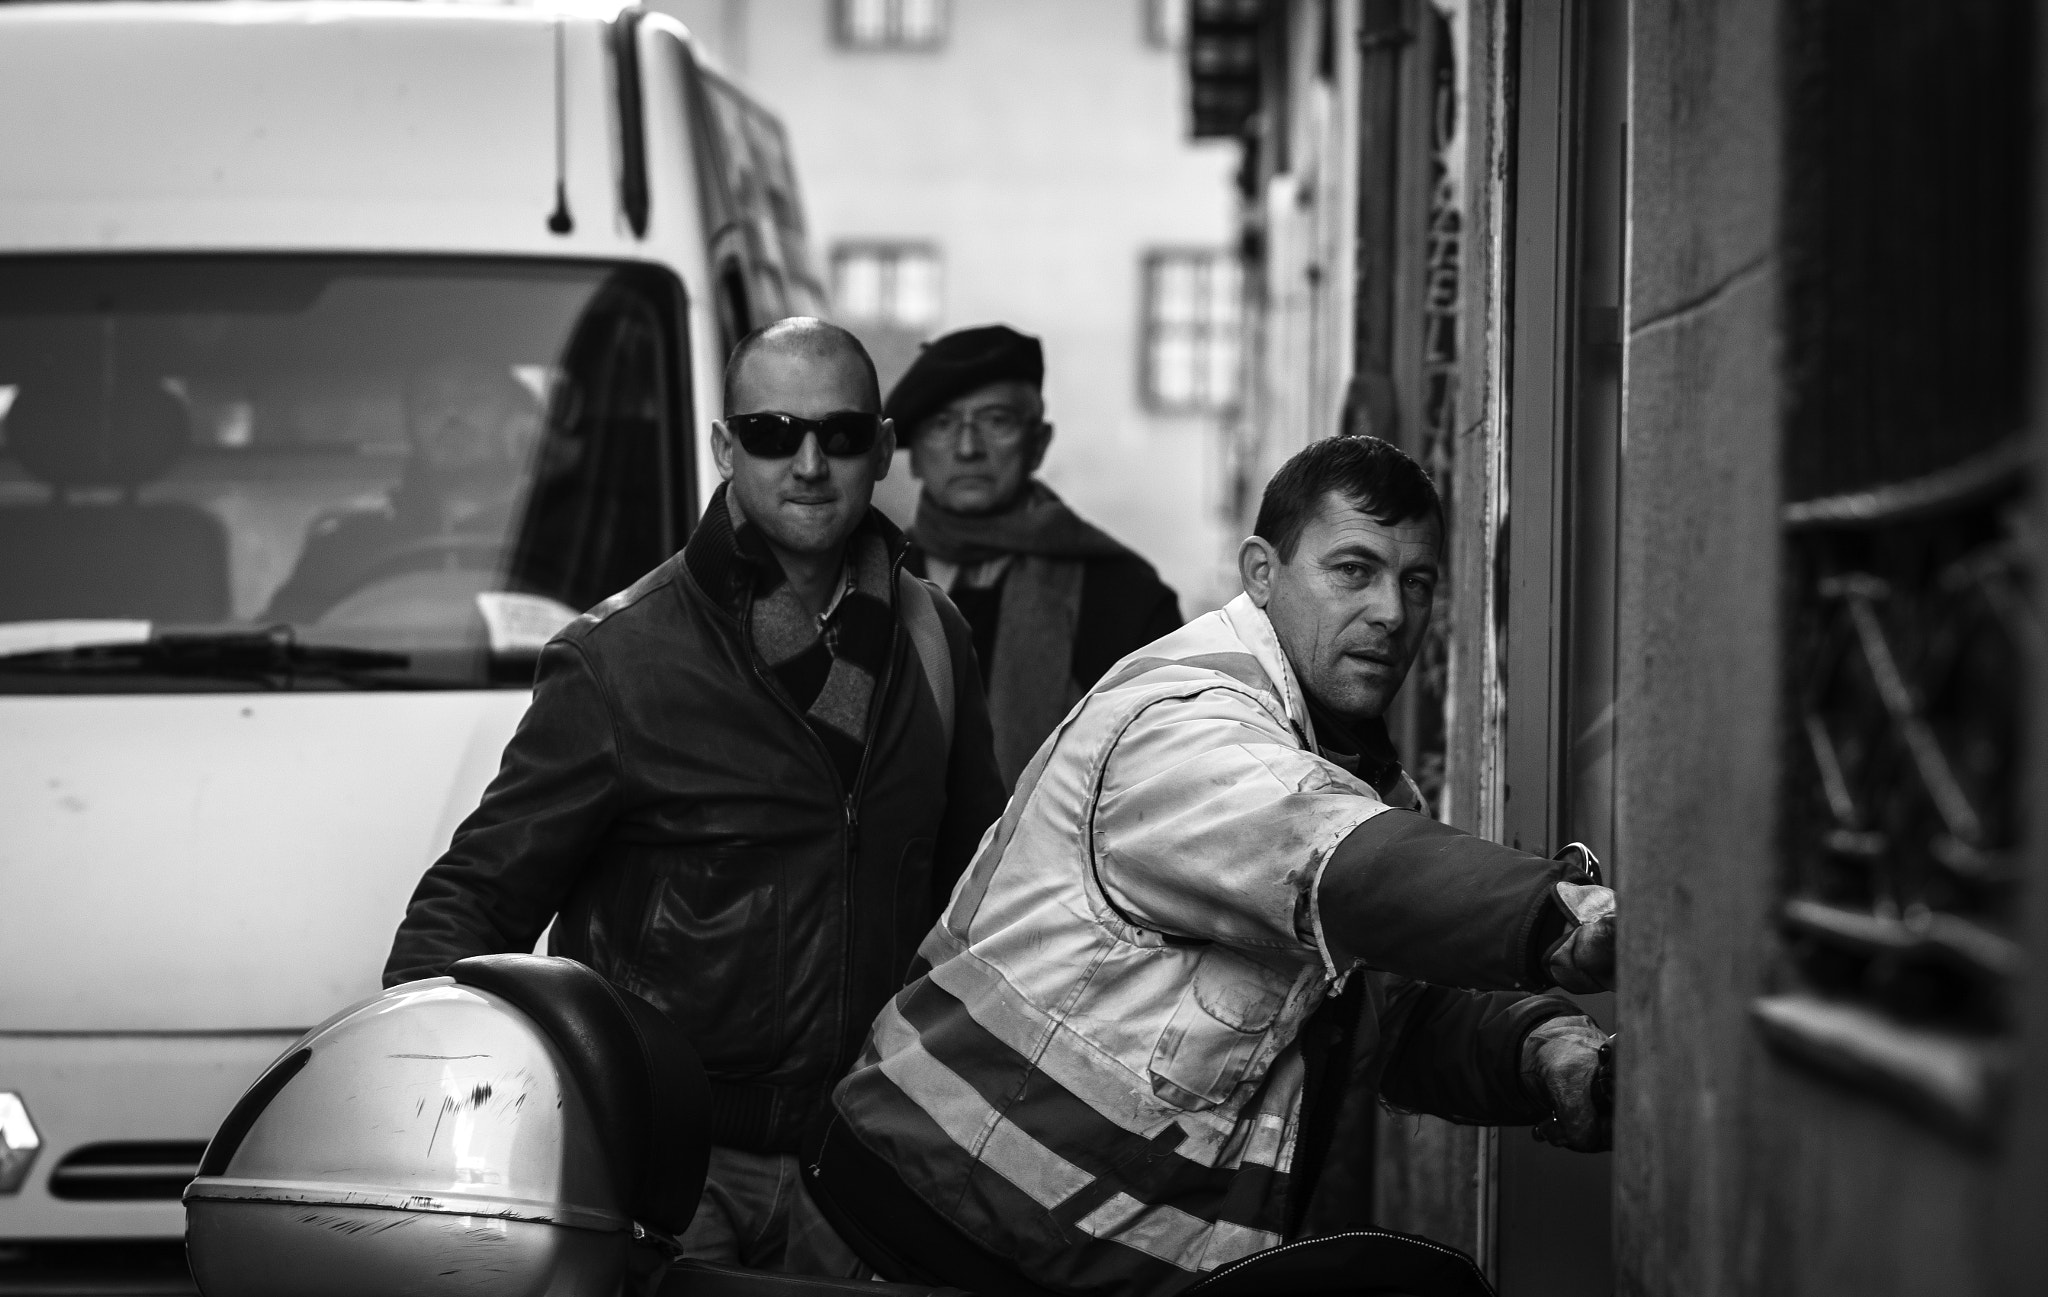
x=1583 y=961
x=1560 y=1065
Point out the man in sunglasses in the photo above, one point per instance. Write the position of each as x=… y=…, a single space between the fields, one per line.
x=745 y=786
x=1053 y=601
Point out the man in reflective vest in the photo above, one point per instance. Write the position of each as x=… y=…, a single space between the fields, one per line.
x=1111 y=1076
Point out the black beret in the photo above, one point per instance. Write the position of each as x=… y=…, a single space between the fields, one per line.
x=958 y=363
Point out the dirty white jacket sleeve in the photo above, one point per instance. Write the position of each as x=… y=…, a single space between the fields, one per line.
x=1214 y=823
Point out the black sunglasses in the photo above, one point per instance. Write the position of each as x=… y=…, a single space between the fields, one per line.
x=771 y=434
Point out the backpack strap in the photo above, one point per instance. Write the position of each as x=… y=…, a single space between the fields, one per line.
x=928 y=637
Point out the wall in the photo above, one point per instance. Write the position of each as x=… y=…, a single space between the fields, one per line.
x=1702 y=410
x=1043 y=148
x=1303 y=216
x=2022 y=1191
x=1340 y=290
x=1437 y=1179
x=1737 y=1173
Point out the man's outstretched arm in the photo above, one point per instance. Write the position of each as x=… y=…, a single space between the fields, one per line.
x=1405 y=893
x=1495 y=1058
x=515 y=858
x=1214 y=824
x=1458 y=1054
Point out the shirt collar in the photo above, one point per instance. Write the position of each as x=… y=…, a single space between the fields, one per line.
x=839 y=595
x=1377 y=763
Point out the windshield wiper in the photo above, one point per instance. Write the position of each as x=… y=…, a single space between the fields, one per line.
x=272 y=655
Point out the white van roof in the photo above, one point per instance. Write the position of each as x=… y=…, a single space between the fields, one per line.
x=359 y=125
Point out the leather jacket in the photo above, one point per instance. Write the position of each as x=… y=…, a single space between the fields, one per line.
x=688 y=834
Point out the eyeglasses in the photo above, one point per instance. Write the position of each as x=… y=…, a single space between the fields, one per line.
x=999 y=426
x=771 y=434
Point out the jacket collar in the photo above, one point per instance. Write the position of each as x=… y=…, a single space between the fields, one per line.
x=1366 y=742
x=731 y=565
x=1255 y=631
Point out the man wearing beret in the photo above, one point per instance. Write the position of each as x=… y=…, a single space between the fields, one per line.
x=1053 y=601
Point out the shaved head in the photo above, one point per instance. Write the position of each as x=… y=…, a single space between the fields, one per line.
x=807 y=503
x=804 y=342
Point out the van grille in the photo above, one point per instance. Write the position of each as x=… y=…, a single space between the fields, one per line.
x=128 y=1172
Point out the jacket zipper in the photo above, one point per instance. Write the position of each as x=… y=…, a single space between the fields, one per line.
x=860 y=779
x=849 y=800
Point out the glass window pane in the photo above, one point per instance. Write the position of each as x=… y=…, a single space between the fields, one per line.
x=887 y=284
x=1222 y=375
x=857 y=284
x=1224 y=287
x=370 y=452
x=864 y=22
x=1192 y=308
x=1175 y=292
x=1173 y=369
x=917 y=289
x=1166 y=22
x=919 y=21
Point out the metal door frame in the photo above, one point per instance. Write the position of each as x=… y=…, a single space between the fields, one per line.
x=1567 y=235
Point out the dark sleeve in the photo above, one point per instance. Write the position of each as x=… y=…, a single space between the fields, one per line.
x=1409 y=895
x=975 y=793
x=1458 y=1054
x=1162 y=616
x=1124 y=607
x=515 y=858
x=338 y=549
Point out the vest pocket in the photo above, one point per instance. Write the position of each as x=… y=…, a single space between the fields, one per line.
x=1216 y=1030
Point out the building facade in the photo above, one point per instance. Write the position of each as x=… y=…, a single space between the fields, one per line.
x=1719 y=322
x=971 y=161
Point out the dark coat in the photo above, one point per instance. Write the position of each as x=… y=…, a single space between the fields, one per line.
x=1124 y=606
x=695 y=839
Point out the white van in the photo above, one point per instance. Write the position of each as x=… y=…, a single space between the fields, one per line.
x=345 y=349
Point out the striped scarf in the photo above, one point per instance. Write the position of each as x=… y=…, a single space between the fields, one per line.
x=1036 y=550
x=827 y=666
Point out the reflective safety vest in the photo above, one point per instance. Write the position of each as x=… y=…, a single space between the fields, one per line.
x=1097 y=1079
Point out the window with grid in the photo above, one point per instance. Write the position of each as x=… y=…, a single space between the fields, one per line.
x=1193 y=305
x=1909 y=593
x=886 y=283
x=890 y=24
x=761 y=183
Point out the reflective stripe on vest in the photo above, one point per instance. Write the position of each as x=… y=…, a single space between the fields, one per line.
x=1102 y=1206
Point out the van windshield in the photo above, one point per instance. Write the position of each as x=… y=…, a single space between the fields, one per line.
x=227 y=473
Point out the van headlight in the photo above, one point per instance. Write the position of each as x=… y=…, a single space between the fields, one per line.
x=19 y=1142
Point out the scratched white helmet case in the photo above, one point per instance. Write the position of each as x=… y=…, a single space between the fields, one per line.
x=503 y=1132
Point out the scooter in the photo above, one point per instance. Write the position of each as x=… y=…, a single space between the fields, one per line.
x=523 y=1128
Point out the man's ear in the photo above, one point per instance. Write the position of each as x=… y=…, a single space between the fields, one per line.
x=721 y=449
x=885 y=449
x=1256 y=561
x=1040 y=442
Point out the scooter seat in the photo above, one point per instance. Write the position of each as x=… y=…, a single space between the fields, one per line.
x=709 y=1279
x=1358 y=1263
